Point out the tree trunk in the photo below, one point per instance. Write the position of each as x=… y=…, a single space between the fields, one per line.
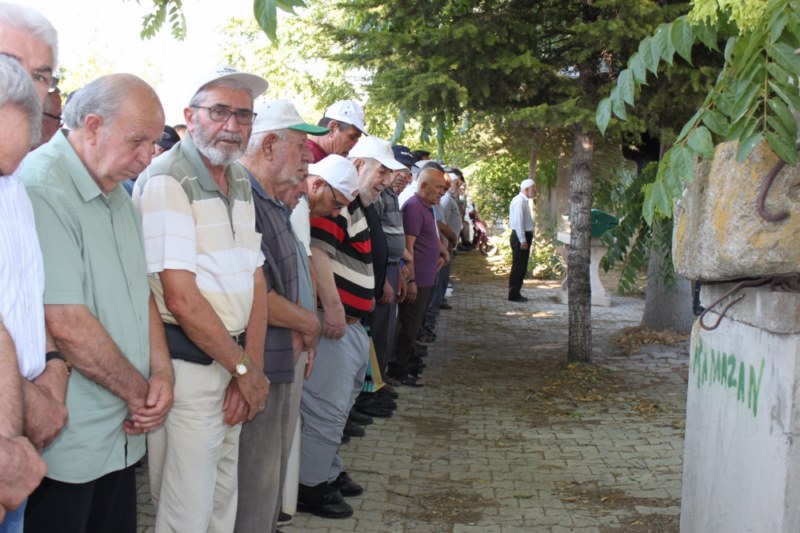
x=667 y=308
x=578 y=258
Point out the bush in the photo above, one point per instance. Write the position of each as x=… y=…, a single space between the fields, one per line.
x=544 y=262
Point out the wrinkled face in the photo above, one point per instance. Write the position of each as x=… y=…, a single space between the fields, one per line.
x=529 y=192
x=342 y=141
x=13 y=147
x=221 y=143
x=455 y=187
x=290 y=195
x=289 y=155
x=433 y=188
x=120 y=148
x=51 y=119
x=33 y=54
x=400 y=179
x=373 y=178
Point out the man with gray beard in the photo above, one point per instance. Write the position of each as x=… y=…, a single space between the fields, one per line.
x=204 y=262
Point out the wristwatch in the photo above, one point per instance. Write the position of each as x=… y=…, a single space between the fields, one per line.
x=241 y=368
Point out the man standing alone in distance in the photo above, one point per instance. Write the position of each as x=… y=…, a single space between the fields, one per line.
x=521 y=222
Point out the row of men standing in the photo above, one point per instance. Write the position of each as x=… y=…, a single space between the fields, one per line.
x=156 y=310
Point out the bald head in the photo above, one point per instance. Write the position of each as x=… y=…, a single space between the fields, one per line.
x=115 y=121
x=432 y=185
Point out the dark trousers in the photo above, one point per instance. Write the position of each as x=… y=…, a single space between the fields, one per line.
x=410 y=316
x=103 y=505
x=437 y=296
x=383 y=323
x=519 y=264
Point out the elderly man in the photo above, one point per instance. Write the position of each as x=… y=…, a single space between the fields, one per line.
x=274 y=161
x=98 y=306
x=427 y=257
x=521 y=222
x=345 y=122
x=22 y=336
x=342 y=258
x=204 y=260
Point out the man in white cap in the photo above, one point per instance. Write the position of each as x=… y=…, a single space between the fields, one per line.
x=345 y=122
x=274 y=162
x=204 y=262
x=521 y=222
x=342 y=258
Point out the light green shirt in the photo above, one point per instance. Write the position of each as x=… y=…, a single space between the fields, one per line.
x=93 y=255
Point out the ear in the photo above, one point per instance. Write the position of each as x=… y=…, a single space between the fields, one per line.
x=267 y=145
x=188 y=116
x=333 y=126
x=317 y=184
x=91 y=127
x=358 y=163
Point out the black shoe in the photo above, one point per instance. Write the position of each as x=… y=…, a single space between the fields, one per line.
x=519 y=298
x=358 y=418
x=284 y=519
x=347 y=486
x=446 y=306
x=323 y=500
x=409 y=381
x=374 y=400
x=374 y=411
x=351 y=429
x=345 y=438
x=387 y=391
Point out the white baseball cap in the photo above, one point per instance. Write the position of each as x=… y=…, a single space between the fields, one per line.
x=347 y=111
x=339 y=173
x=257 y=84
x=375 y=148
x=281 y=114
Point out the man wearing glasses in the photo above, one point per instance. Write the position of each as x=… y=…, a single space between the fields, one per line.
x=204 y=261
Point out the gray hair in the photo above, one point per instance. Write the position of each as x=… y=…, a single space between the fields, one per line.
x=33 y=22
x=16 y=89
x=200 y=96
x=104 y=96
x=254 y=144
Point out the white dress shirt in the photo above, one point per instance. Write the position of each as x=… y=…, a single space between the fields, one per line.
x=519 y=216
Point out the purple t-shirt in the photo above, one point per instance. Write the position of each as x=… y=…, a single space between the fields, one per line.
x=418 y=221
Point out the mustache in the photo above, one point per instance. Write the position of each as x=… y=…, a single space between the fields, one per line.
x=224 y=136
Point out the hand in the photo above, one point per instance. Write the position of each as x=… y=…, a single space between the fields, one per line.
x=309 y=364
x=157 y=405
x=44 y=415
x=388 y=294
x=254 y=386
x=333 y=323
x=23 y=470
x=440 y=262
x=411 y=293
x=524 y=245
x=402 y=288
x=234 y=405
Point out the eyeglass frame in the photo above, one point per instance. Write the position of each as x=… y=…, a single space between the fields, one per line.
x=228 y=113
x=339 y=205
x=54 y=117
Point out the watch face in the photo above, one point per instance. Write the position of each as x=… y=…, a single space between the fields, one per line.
x=241 y=369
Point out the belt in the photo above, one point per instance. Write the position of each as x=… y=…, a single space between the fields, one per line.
x=182 y=347
x=393 y=262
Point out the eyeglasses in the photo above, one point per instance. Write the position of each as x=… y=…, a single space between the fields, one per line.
x=244 y=117
x=339 y=205
x=54 y=117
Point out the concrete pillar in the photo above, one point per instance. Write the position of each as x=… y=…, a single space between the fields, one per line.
x=742 y=454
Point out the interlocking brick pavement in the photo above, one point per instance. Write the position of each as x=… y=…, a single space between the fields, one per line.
x=456 y=459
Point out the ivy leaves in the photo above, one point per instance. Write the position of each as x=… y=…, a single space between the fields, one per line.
x=751 y=100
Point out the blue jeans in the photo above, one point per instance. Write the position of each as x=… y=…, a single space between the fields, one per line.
x=14 y=520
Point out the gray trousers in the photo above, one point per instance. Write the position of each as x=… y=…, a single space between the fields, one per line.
x=383 y=323
x=328 y=395
x=264 y=447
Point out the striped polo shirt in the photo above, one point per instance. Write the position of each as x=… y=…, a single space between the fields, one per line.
x=188 y=224
x=345 y=238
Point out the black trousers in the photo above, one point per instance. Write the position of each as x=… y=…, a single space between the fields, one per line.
x=105 y=505
x=409 y=317
x=519 y=263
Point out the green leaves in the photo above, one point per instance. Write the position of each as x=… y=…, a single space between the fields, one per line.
x=603 y=115
x=682 y=37
x=164 y=10
x=266 y=14
x=700 y=143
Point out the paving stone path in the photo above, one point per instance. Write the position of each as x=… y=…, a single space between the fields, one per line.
x=505 y=438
